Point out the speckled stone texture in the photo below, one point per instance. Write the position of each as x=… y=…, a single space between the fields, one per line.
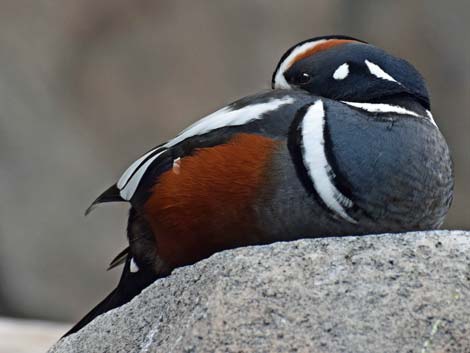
x=379 y=293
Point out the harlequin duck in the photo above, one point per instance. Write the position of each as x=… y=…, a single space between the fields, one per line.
x=345 y=143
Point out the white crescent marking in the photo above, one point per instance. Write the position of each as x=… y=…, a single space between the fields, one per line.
x=279 y=79
x=314 y=156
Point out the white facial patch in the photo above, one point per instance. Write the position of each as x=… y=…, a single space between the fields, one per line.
x=130 y=180
x=279 y=79
x=341 y=72
x=378 y=72
x=316 y=163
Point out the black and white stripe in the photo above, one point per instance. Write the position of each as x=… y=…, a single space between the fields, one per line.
x=227 y=116
x=384 y=108
x=308 y=145
x=130 y=180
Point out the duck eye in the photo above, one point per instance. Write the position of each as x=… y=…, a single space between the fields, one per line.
x=303 y=78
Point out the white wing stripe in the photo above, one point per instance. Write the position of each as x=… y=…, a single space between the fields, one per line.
x=131 y=169
x=317 y=165
x=227 y=117
x=128 y=191
x=131 y=178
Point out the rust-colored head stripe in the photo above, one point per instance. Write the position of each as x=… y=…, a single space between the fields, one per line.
x=320 y=47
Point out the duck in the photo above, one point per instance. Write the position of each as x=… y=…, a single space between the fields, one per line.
x=344 y=143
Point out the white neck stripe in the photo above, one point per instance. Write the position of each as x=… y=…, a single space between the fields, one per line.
x=382 y=108
x=429 y=114
x=316 y=163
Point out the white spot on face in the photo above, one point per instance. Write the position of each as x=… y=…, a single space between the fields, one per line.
x=133 y=267
x=377 y=71
x=317 y=165
x=280 y=81
x=341 y=72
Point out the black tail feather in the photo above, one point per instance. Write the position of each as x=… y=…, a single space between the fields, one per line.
x=119 y=259
x=130 y=285
x=110 y=195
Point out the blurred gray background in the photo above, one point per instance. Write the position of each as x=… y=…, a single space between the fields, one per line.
x=86 y=86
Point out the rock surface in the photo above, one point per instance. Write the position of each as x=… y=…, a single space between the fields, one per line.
x=379 y=293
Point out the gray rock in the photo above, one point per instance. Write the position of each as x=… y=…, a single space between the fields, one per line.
x=379 y=293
